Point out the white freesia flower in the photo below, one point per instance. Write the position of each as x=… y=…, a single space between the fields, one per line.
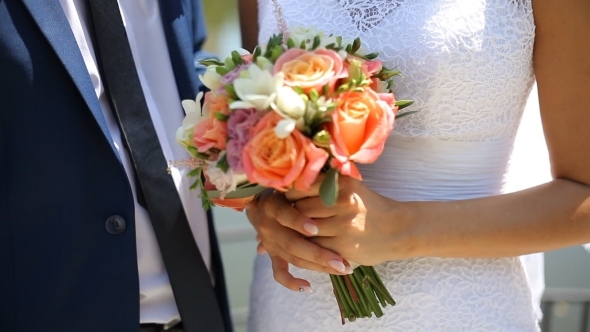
x=285 y=127
x=289 y=103
x=211 y=79
x=194 y=115
x=225 y=182
x=256 y=88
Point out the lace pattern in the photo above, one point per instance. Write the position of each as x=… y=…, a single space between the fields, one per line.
x=467 y=64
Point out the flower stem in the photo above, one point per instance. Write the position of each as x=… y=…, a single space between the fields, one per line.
x=361 y=294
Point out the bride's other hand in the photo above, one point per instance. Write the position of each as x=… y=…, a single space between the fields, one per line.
x=282 y=232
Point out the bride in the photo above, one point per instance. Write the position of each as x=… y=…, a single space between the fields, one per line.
x=431 y=214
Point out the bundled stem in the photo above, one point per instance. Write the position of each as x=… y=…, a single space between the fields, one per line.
x=361 y=294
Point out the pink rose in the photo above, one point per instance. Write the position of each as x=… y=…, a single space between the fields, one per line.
x=310 y=69
x=281 y=163
x=367 y=119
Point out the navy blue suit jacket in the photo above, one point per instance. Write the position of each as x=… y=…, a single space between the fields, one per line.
x=61 y=178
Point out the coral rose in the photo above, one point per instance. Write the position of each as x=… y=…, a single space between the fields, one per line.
x=310 y=69
x=281 y=163
x=210 y=133
x=360 y=126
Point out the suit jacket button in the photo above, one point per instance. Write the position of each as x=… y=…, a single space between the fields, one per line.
x=115 y=225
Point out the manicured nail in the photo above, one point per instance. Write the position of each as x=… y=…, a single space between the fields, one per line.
x=348 y=270
x=337 y=265
x=305 y=289
x=310 y=228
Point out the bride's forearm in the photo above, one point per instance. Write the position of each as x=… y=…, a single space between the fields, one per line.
x=542 y=218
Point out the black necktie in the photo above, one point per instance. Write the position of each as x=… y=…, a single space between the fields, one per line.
x=190 y=280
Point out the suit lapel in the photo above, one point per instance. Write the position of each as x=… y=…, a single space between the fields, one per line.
x=49 y=16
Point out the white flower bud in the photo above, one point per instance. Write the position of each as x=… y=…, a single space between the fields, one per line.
x=284 y=128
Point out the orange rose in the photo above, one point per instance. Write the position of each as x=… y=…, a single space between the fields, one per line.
x=360 y=126
x=215 y=102
x=281 y=163
x=310 y=69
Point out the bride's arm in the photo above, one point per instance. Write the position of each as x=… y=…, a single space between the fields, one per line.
x=550 y=216
x=249 y=23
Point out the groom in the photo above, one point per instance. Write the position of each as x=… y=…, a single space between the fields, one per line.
x=93 y=232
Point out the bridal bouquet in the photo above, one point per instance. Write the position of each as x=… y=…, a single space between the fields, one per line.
x=300 y=105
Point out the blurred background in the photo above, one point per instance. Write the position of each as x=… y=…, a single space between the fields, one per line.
x=566 y=301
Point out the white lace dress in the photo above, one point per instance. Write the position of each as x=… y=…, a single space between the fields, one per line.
x=468 y=66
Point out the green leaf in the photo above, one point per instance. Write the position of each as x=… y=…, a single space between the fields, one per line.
x=221 y=70
x=231 y=91
x=356 y=45
x=276 y=53
x=290 y=43
x=349 y=49
x=329 y=187
x=257 y=52
x=401 y=115
x=229 y=63
x=211 y=62
x=403 y=103
x=386 y=74
x=239 y=193
x=195 y=153
x=298 y=89
x=237 y=58
x=314 y=95
x=371 y=56
x=195 y=172
x=220 y=116
x=222 y=164
x=302 y=45
x=316 y=42
x=195 y=185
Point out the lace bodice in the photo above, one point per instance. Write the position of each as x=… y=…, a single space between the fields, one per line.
x=467 y=64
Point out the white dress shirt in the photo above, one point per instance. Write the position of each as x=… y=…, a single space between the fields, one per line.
x=143 y=25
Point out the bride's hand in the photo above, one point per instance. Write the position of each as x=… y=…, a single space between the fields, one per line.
x=362 y=226
x=282 y=232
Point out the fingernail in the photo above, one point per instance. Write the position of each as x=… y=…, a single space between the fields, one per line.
x=310 y=228
x=305 y=289
x=348 y=270
x=337 y=265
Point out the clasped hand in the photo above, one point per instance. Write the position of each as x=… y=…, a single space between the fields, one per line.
x=298 y=228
